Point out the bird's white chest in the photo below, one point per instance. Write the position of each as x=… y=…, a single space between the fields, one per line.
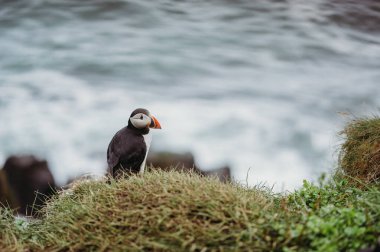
x=147 y=140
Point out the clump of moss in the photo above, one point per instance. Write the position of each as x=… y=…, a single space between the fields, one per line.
x=360 y=153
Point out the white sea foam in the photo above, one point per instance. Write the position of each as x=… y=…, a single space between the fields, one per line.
x=70 y=123
x=259 y=90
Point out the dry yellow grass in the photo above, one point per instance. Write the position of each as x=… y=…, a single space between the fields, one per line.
x=360 y=153
x=159 y=211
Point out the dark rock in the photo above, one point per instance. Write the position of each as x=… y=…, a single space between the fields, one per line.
x=184 y=162
x=30 y=181
x=223 y=173
x=7 y=198
x=170 y=160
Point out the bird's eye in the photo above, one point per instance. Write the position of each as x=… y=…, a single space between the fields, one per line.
x=141 y=117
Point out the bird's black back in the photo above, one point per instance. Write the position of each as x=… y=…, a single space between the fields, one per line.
x=126 y=151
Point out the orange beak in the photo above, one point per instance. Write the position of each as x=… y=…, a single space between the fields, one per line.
x=155 y=124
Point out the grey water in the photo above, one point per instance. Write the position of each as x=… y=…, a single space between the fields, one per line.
x=263 y=86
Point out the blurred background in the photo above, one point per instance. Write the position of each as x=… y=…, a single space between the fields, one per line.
x=259 y=86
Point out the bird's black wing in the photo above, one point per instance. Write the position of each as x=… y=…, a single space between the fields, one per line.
x=114 y=150
x=126 y=151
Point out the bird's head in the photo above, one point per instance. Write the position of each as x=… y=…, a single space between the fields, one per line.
x=142 y=119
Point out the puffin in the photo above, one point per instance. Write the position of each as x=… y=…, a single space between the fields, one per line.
x=128 y=149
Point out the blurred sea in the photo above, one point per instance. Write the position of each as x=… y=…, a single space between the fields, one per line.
x=258 y=85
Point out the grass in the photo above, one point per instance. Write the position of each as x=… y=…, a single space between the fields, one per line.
x=179 y=211
x=9 y=232
x=360 y=153
x=172 y=211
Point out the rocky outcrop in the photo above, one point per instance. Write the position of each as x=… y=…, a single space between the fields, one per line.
x=7 y=198
x=223 y=173
x=26 y=183
x=185 y=161
x=170 y=160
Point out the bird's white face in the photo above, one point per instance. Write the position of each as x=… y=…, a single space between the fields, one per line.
x=141 y=121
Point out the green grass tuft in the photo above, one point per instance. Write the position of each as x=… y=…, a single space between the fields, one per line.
x=159 y=211
x=10 y=231
x=360 y=153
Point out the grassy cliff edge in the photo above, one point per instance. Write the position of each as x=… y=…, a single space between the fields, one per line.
x=171 y=211
x=179 y=211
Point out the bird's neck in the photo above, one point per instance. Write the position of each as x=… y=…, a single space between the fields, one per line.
x=143 y=131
